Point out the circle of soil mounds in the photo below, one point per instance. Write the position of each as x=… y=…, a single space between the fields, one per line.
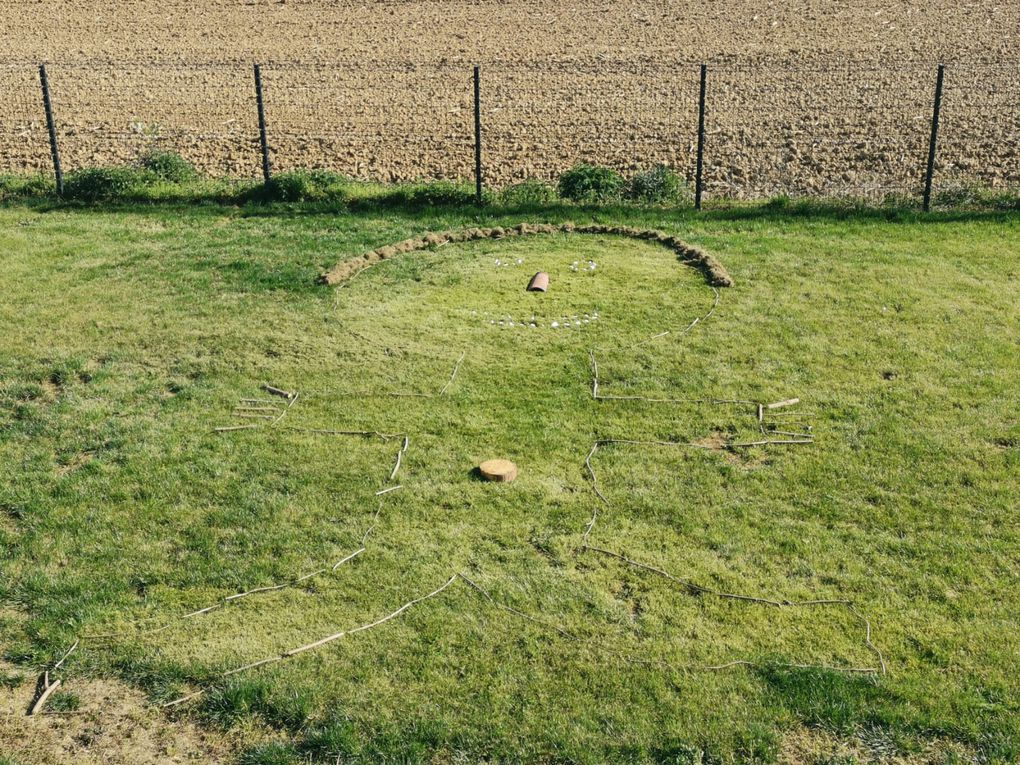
x=713 y=270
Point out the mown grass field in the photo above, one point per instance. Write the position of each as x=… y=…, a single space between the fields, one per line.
x=130 y=333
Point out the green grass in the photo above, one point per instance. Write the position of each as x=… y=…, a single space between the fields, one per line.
x=130 y=332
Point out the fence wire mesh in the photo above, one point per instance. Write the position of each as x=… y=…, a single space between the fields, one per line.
x=846 y=129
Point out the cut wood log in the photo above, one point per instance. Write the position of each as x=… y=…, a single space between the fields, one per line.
x=502 y=471
x=539 y=282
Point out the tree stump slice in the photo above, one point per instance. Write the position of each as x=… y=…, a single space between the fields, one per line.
x=501 y=471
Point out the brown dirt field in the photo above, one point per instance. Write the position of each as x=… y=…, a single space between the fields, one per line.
x=806 y=98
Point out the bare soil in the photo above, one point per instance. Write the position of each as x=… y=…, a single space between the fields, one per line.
x=114 y=725
x=806 y=97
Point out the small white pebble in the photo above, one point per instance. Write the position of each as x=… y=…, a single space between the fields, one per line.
x=555 y=325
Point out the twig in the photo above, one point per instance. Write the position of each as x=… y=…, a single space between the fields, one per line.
x=400 y=454
x=591 y=470
x=394 y=614
x=387 y=491
x=229 y=428
x=201 y=611
x=353 y=555
x=182 y=699
x=442 y=391
x=63 y=658
x=591 y=525
x=293 y=400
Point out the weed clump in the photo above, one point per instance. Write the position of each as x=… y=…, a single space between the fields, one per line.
x=528 y=194
x=659 y=186
x=304 y=186
x=103 y=184
x=591 y=183
x=168 y=166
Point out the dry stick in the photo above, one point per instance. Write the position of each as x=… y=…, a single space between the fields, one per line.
x=387 y=491
x=600 y=648
x=685 y=330
x=258 y=590
x=63 y=658
x=326 y=432
x=442 y=391
x=781 y=404
x=47 y=690
x=229 y=428
x=293 y=400
x=513 y=610
x=771 y=442
x=338 y=635
x=591 y=525
x=321 y=642
x=399 y=455
x=699 y=589
x=277 y=391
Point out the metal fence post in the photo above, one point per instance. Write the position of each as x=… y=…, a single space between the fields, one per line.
x=933 y=141
x=52 y=126
x=266 y=170
x=698 y=186
x=478 y=137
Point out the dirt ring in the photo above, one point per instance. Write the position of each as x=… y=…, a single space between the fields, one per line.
x=714 y=272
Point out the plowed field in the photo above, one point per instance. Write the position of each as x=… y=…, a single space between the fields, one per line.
x=807 y=97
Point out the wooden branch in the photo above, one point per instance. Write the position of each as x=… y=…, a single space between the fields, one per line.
x=40 y=702
x=781 y=404
x=364 y=627
x=277 y=391
x=442 y=391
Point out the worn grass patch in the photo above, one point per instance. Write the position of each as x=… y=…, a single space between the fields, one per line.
x=130 y=335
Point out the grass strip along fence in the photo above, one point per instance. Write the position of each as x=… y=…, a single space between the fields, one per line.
x=701 y=134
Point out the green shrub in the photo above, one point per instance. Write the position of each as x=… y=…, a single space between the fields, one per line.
x=659 y=186
x=168 y=166
x=528 y=194
x=102 y=184
x=591 y=183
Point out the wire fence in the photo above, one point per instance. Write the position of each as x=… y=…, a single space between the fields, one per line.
x=859 y=129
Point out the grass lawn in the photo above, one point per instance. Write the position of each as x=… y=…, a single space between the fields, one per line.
x=130 y=334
